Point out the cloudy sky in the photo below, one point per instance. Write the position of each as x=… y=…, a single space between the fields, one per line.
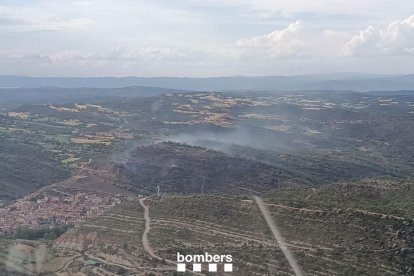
x=205 y=37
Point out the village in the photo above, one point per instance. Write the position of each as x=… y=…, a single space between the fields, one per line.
x=50 y=210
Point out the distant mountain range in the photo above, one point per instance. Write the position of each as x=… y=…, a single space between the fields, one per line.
x=85 y=94
x=340 y=81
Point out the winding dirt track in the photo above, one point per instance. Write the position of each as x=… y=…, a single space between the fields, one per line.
x=145 y=241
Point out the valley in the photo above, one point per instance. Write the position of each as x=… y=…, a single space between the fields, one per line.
x=118 y=186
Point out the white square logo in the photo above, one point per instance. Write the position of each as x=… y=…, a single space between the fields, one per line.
x=228 y=267
x=197 y=267
x=212 y=267
x=181 y=267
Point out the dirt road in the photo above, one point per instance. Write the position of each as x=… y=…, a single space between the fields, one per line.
x=145 y=242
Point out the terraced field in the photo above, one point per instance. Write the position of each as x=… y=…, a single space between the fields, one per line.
x=115 y=240
x=326 y=240
x=335 y=170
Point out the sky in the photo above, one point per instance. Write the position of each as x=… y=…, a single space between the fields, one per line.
x=195 y=38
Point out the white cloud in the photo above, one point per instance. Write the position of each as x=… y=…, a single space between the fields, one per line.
x=297 y=40
x=188 y=37
x=374 y=9
x=145 y=61
x=83 y=3
x=147 y=55
x=23 y=19
x=396 y=39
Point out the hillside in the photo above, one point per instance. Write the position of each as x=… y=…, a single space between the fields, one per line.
x=343 y=82
x=334 y=168
x=50 y=93
x=327 y=238
x=179 y=168
x=25 y=168
x=287 y=139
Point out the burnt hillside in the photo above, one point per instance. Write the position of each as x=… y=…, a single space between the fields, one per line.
x=188 y=169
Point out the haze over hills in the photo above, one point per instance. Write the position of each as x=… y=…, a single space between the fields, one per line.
x=244 y=138
x=335 y=169
x=65 y=95
x=338 y=81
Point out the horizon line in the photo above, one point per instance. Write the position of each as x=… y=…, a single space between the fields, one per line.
x=212 y=77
